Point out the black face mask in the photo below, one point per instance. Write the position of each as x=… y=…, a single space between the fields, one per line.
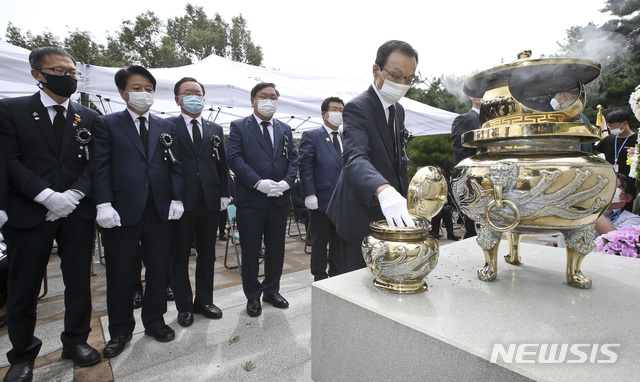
x=62 y=86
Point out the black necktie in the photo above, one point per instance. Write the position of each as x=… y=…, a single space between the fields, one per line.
x=392 y=115
x=267 y=137
x=58 y=124
x=144 y=134
x=197 y=137
x=336 y=143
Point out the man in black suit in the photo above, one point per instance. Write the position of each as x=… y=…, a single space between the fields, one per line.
x=44 y=137
x=320 y=166
x=373 y=183
x=138 y=187
x=206 y=193
x=461 y=124
x=263 y=156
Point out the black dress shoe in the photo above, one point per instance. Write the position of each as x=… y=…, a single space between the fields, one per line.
x=276 y=300
x=19 y=372
x=162 y=333
x=222 y=237
x=185 y=319
x=453 y=236
x=435 y=234
x=209 y=311
x=137 y=299
x=254 y=309
x=115 y=346
x=170 y=295
x=82 y=355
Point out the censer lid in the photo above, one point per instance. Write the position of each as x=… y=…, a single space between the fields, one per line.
x=537 y=76
x=427 y=192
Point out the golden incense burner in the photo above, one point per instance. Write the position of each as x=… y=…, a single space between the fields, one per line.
x=529 y=175
x=401 y=257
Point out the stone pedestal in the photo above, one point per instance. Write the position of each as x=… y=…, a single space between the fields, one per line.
x=449 y=333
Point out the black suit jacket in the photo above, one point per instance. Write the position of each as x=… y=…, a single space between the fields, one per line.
x=201 y=169
x=463 y=123
x=369 y=161
x=251 y=161
x=34 y=161
x=123 y=173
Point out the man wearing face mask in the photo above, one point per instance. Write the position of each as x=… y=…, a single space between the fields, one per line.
x=616 y=216
x=373 y=183
x=622 y=138
x=263 y=156
x=206 y=193
x=564 y=99
x=49 y=198
x=138 y=188
x=320 y=165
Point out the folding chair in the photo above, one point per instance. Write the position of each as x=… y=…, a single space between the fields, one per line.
x=232 y=236
x=292 y=218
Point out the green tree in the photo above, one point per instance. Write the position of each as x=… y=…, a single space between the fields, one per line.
x=431 y=150
x=197 y=36
x=436 y=95
x=242 y=48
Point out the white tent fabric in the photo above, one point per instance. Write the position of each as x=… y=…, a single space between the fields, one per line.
x=228 y=85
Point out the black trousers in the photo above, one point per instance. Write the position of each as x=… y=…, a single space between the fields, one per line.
x=351 y=255
x=203 y=224
x=29 y=251
x=253 y=224
x=324 y=233
x=121 y=257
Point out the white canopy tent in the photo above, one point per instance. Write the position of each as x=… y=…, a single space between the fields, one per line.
x=228 y=85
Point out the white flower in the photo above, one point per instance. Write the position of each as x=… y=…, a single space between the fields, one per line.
x=634 y=102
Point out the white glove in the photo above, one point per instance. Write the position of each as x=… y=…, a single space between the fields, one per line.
x=51 y=216
x=60 y=204
x=3 y=217
x=176 y=209
x=107 y=216
x=311 y=202
x=394 y=208
x=269 y=187
x=73 y=195
x=224 y=203
x=283 y=186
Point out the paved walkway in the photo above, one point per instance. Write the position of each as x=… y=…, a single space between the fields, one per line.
x=277 y=343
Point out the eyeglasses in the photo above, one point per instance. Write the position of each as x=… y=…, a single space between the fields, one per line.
x=60 y=71
x=611 y=125
x=400 y=79
x=189 y=93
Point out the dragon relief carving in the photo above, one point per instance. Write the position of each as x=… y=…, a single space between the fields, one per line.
x=533 y=204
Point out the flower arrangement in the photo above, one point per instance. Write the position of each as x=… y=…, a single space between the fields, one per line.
x=632 y=160
x=624 y=241
x=634 y=102
x=634 y=153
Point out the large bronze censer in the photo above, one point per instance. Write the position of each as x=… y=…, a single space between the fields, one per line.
x=401 y=257
x=529 y=175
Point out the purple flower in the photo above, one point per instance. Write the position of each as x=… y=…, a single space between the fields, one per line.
x=624 y=241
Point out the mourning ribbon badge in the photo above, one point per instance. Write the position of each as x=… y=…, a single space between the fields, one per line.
x=406 y=138
x=285 y=146
x=83 y=137
x=215 y=141
x=166 y=140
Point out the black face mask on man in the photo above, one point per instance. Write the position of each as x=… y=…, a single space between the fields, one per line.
x=63 y=86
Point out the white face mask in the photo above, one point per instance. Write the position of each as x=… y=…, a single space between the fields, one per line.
x=267 y=107
x=392 y=92
x=616 y=197
x=140 y=101
x=335 y=118
x=554 y=104
x=616 y=131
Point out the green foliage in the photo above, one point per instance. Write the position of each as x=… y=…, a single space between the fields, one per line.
x=150 y=42
x=431 y=150
x=249 y=366
x=436 y=95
